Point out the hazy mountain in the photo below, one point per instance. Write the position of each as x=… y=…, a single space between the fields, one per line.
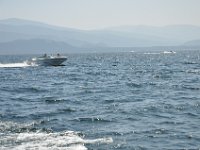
x=179 y=33
x=37 y=46
x=192 y=43
x=30 y=36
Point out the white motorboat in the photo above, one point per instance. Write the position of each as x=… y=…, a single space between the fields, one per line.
x=169 y=52
x=48 y=60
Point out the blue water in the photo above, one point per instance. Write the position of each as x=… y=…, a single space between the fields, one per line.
x=136 y=100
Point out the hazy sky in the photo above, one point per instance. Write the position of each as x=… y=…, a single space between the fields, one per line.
x=92 y=14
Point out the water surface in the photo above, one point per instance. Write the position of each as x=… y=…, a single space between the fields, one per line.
x=136 y=100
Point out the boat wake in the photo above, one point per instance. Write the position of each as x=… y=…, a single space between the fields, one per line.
x=39 y=139
x=158 y=53
x=66 y=140
x=16 y=65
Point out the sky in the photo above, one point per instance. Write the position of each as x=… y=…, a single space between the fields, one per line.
x=97 y=14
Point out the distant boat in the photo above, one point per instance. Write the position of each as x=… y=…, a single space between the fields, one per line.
x=169 y=52
x=48 y=60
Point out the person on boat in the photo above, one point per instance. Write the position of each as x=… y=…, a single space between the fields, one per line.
x=58 y=55
x=45 y=55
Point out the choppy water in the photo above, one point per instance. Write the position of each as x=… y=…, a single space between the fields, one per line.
x=102 y=101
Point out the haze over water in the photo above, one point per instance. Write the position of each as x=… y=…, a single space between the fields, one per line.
x=133 y=100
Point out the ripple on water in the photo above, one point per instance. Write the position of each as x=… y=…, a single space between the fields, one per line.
x=17 y=89
x=52 y=100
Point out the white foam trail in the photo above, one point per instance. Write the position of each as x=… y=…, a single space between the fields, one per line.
x=151 y=53
x=157 y=53
x=68 y=140
x=15 y=65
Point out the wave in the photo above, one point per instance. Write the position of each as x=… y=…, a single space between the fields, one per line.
x=91 y=119
x=194 y=71
x=54 y=101
x=43 y=140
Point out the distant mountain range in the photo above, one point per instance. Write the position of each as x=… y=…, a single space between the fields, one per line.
x=24 y=36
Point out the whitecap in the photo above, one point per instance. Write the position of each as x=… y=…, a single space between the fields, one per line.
x=68 y=140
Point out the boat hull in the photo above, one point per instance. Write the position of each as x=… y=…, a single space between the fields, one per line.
x=49 y=61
